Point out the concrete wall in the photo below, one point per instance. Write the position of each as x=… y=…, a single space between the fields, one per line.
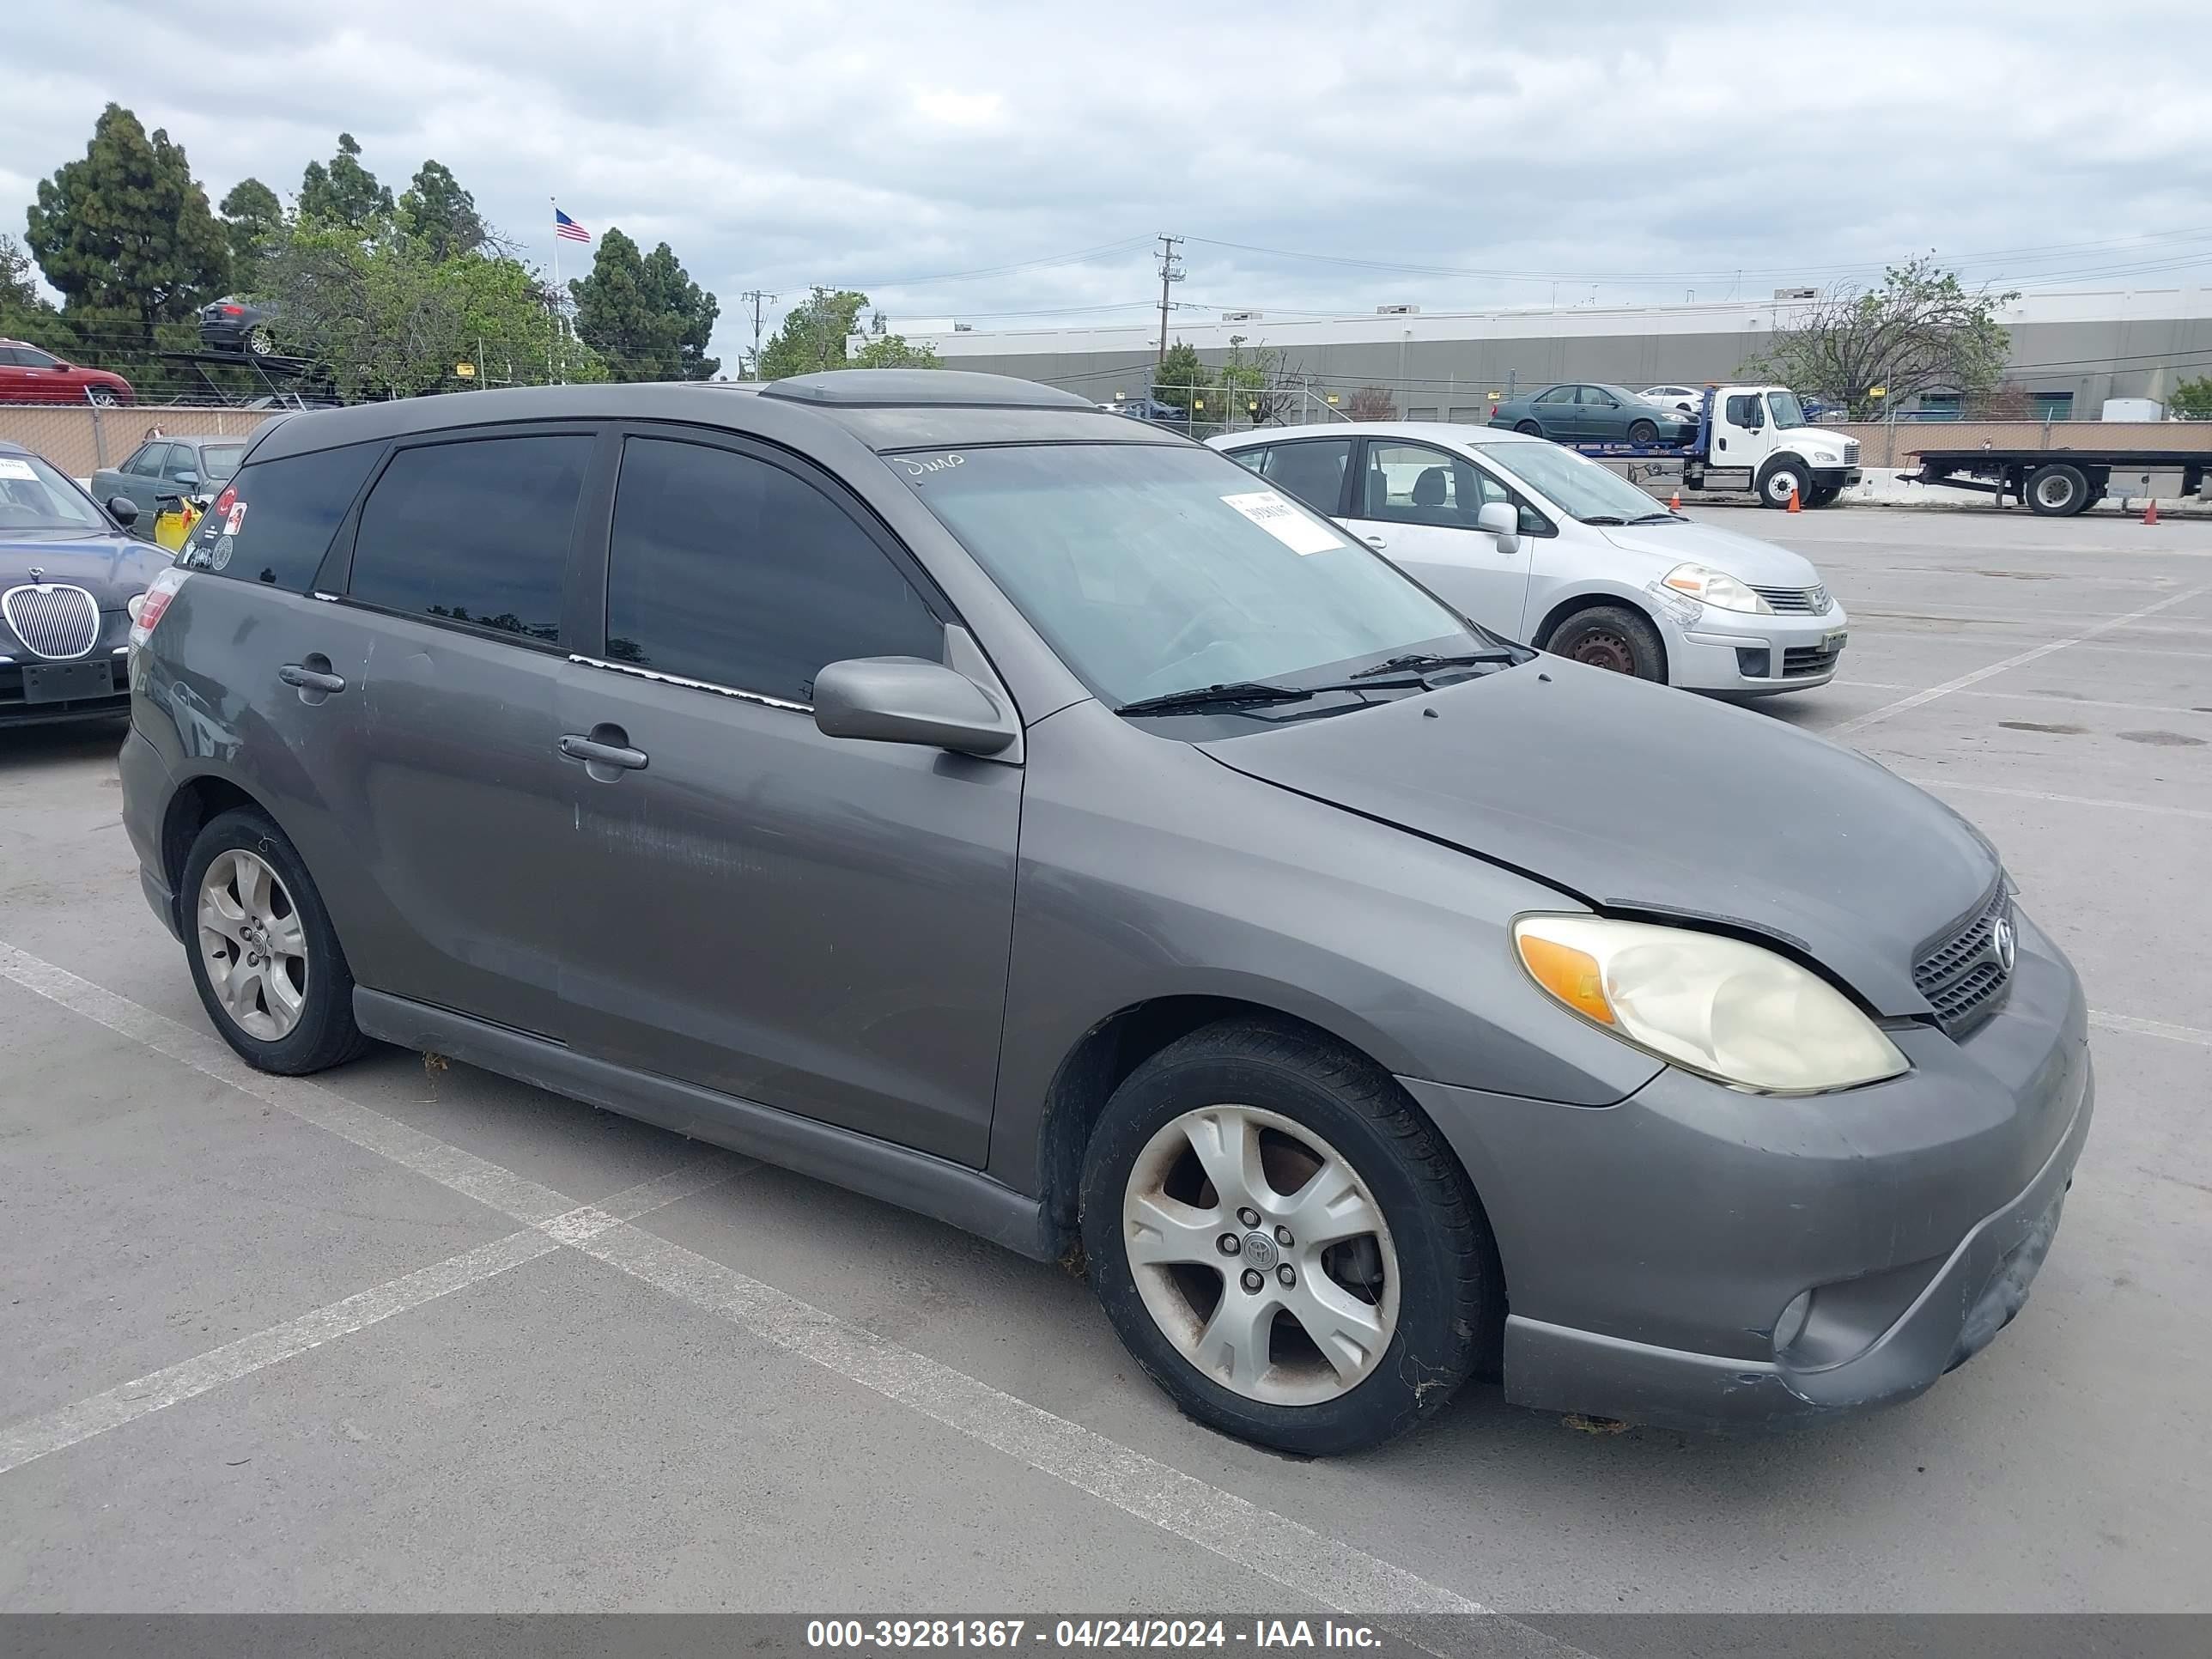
x=79 y=438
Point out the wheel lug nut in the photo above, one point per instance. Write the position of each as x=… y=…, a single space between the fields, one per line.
x=1249 y=1216
x=1287 y=1274
x=1253 y=1281
x=1283 y=1238
x=1227 y=1244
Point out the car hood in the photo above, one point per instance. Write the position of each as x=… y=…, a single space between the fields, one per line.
x=109 y=568
x=1744 y=557
x=1639 y=799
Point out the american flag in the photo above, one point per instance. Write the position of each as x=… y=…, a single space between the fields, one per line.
x=564 y=226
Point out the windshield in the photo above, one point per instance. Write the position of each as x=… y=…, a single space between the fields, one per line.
x=1573 y=483
x=35 y=499
x=1784 y=410
x=1156 y=569
x=219 y=461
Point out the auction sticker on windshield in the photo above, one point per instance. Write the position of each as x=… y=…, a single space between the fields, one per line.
x=12 y=468
x=1274 y=514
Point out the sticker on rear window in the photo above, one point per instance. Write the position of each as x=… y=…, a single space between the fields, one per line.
x=1274 y=514
x=12 y=468
x=230 y=526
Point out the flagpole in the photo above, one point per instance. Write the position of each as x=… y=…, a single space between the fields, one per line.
x=558 y=291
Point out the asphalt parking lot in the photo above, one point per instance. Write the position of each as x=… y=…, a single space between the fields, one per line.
x=406 y=1337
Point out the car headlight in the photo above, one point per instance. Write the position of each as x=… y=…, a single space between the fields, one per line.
x=1823 y=458
x=1726 y=1010
x=1715 y=587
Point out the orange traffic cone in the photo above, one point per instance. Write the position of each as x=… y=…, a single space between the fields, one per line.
x=1794 y=507
x=1674 y=502
x=2150 y=511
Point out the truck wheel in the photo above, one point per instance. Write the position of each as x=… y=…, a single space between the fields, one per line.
x=2058 y=491
x=1823 y=494
x=1611 y=636
x=1781 y=480
x=1530 y=427
x=1643 y=432
x=1283 y=1243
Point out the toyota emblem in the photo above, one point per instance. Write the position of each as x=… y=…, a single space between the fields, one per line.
x=2003 y=944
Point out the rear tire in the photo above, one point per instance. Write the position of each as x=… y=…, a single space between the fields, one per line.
x=2058 y=491
x=1530 y=427
x=1411 y=1304
x=1613 y=637
x=292 y=1038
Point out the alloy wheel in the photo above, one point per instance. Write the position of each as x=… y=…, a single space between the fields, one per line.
x=252 y=945
x=1261 y=1254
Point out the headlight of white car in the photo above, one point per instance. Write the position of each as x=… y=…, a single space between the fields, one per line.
x=1715 y=587
x=1717 y=1006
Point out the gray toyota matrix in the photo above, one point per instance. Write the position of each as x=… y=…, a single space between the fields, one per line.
x=936 y=785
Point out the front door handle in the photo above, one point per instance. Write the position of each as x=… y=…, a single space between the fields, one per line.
x=595 y=752
x=1372 y=541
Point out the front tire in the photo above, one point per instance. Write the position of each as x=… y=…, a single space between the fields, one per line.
x=263 y=956
x=1643 y=432
x=1782 y=480
x=1364 y=1287
x=1611 y=637
x=102 y=396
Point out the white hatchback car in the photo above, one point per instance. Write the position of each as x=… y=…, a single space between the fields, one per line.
x=1537 y=543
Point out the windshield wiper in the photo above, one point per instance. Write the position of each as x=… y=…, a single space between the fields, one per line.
x=1199 y=698
x=1604 y=518
x=1661 y=517
x=1426 y=660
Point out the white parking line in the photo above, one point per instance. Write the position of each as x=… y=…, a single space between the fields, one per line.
x=2017 y=659
x=2054 y=699
x=2157 y=1028
x=1268 y=1545
x=141 y=1396
x=2064 y=800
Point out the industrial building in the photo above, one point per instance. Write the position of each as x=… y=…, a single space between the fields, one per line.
x=2070 y=348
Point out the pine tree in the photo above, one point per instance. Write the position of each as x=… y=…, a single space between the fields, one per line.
x=345 y=193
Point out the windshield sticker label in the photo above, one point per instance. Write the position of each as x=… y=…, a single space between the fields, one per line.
x=916 y=465
x=1274 y=514
x=237 y=517
x=12 y=467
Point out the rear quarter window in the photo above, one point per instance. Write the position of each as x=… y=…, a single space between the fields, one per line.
x=285 y=512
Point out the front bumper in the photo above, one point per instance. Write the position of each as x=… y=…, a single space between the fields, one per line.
x=57 y=692
x=1651 y=1247
x=1739 y=651
x=1835 y=478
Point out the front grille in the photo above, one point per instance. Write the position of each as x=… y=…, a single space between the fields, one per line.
x=55 y=622
x=1807 y=660
x=1796 y=601
x=1850 y=451
x=1965 y=977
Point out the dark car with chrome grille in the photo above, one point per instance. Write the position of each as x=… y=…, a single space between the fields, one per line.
x=69 y=574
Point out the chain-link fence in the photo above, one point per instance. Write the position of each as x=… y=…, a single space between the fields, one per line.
x=83 y=439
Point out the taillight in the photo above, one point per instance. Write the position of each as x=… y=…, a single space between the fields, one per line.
x=234 y=311
x=145 y=609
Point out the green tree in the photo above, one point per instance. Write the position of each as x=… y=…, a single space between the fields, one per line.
x=252 y=218
x=1256 y=386
x=436 y=211
x=127 y=237
x=26 y=314
x=1920 y=330
x=1181 y=379
x=892 y=351
x=2192 y=400
x=812 y=336
x=642 y=314
x=344 y=192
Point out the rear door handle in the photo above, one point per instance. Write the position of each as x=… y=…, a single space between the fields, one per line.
x=1372 y=541
x=311 y=679
x=603 y=754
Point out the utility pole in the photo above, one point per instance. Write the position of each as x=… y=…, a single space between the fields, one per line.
x=1170 y=271
x=758 y=298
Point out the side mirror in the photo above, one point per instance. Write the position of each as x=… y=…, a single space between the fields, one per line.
x=1503 y=520
x=123 y=510
x=187 y=482
x=907 y=700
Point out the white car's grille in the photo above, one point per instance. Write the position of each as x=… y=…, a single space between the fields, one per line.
x=1795 y=601
x=52 y=621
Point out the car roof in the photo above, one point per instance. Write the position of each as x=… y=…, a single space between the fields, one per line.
x=885 y=408
x=1462 y=432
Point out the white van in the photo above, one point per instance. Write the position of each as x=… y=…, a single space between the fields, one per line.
x=1539 y=543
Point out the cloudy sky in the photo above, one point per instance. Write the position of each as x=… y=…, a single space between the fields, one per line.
x=1011 y=164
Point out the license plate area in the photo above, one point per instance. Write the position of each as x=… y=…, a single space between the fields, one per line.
x=66 y=681
x=1833 y=642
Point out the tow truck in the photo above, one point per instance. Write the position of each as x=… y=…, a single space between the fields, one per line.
x=1754 y=438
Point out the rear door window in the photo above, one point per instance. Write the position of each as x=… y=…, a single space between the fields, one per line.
x=291 y=510
x=474 y=534
x=1312 y=470
x=725 y=569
